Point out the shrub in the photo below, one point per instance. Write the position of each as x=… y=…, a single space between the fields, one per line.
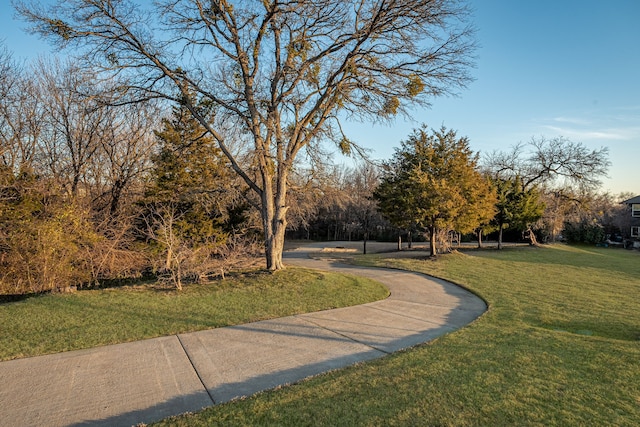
x=43 y=238
x=583 y=232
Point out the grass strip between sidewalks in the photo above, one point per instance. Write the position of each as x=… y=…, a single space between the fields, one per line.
x=559 y=345
x=62 y=322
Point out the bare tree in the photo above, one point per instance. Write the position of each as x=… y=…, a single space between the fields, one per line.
x=20 y=116
x=563 y=171
x=552 y=162
x=362 y=209
x=124 y=154
x=306 y=199
x=8 y=77
x=75 y=121
x=283 y=72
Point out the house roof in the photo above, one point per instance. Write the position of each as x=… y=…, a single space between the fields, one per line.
x=632 y=201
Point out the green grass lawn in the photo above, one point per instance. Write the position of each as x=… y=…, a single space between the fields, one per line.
x=61 y=322
x=560 y=345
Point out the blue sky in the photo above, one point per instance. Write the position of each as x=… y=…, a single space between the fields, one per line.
x=547 y=68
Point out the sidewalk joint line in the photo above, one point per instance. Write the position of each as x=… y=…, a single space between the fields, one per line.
x=306 y=319
x=186 y=353
x=406 y=316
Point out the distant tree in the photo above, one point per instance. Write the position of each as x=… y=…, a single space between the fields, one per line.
x=333 y=213
x=560 y=206
x=617 y=219
x=21 y=116
x=556 y=162
x=568 y=205
x=559 y=169
x=362 y=210
x=483 y=200
x=74 y=123
x=306 y=199
x=279 y=75
x=598 y=217
x=335 y=202
x=124 y=158
x=433 y=179
x=516 y=207
x=583 y=232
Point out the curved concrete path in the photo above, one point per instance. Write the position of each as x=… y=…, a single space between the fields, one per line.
x=148 y=380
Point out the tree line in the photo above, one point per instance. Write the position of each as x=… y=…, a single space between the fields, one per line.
x=184 y=133
x=277 y=77
x=436 y=185
x=93 y=192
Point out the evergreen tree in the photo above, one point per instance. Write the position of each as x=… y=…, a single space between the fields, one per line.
x=189 y=201
x=433 y=182
x=516 y=207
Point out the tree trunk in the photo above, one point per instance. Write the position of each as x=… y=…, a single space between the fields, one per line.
x=116 y=194
x=178 y=276
x=409 y=239
x=75 y=183
x=479 y=238
x=399 y=242
x=275 y=225
x=529 y=234
x=364 y=244
x=432 y=241
x=274 y=246
x=167 y=263
x=274 y=219
x=500 y=236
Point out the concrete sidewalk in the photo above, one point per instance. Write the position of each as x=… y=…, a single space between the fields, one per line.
x=145 y=381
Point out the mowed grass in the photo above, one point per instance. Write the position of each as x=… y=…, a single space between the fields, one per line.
x=558 y=346
x=61 y=322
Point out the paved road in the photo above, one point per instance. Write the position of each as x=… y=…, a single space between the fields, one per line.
x=145 y=381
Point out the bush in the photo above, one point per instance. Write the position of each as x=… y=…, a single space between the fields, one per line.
x=44 y=239
x=583 y=232
x=116 y=255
